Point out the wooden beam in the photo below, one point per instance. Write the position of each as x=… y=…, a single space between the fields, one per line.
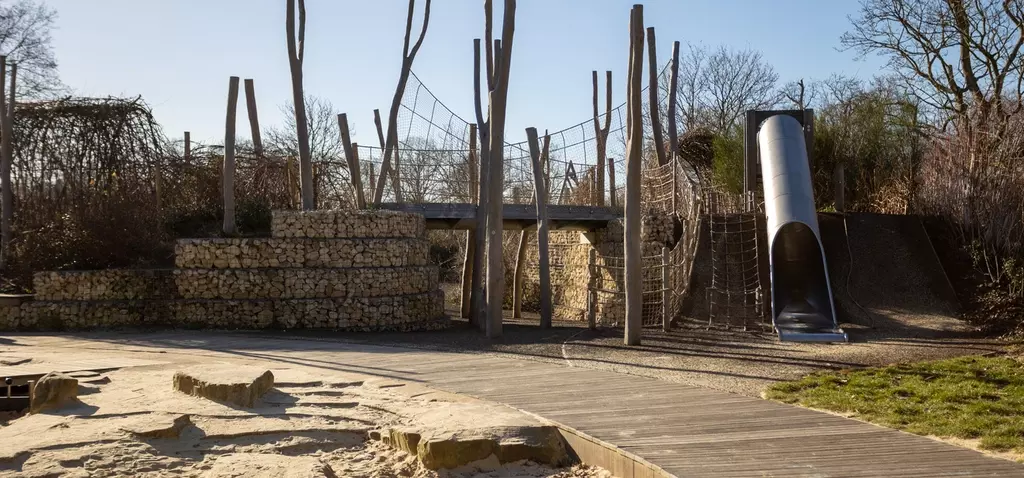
x=592 y=289
x=542 y=228
x=254 y=117
x=468 y=262
x=634 y=157
x=352 y=158
x=611 y=179
x=228 y=176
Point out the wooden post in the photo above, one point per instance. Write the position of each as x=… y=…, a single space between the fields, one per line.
x=468 y=263
x=296 y=55
x=228 y=185
x=479 y=297
x=666 y=290
x=611 y=179
x=839 y=188
x=254 y=117
x=673 y=129
x=188 y=146
x=634 y=157
x=652 y=91
x=542 y=227
x=517 y=277
x=497 y=108
x=6 y=160
x=591 y=289
x=601 y=133
x=353 y=161
x=396 y=187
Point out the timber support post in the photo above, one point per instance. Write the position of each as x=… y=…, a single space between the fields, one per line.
x=666 y=290
x=188 y=146
x=611 y=179
x=633 y=272
x=469 y=263
x=254 y=117
x=352 y=158
x=592 y=289
x=542 y=227
x=6 y=162
x=228 y=176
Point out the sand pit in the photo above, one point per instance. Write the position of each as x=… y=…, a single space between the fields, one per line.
x=131 y=422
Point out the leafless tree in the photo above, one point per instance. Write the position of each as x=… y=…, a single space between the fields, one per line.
x=956 y=56
x=737 y=81
x=25 y=27
x=296 y=54
x=391 y=149
x=322 y=126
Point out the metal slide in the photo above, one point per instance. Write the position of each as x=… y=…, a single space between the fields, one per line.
x=802 y=305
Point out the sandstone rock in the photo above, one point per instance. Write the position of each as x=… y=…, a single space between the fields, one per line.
x=52 y=391
x=161 y=426
x=235 y=386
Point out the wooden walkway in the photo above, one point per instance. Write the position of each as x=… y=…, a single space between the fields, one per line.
x=683 y=430
x=515 y=216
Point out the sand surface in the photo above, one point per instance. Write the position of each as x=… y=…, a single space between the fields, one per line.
x=130 y=422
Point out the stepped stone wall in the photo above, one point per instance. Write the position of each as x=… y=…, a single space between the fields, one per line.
x=360 y=271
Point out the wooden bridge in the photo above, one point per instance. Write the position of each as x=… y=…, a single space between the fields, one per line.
x=514 y=216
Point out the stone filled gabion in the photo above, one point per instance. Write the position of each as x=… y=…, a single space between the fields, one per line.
x=107 y=284
x=304 y=283
x=299 y=252
x=402 y=312
x=322 y=224
x=355 y=271
x=654 y=227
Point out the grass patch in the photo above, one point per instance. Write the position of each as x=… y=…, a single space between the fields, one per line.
x=973 y=398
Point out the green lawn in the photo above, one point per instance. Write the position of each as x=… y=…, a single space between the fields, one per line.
x=969 y=397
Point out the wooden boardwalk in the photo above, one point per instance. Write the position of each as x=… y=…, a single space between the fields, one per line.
x=683 y=430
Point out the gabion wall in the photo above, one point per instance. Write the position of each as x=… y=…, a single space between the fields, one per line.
x=365 y=271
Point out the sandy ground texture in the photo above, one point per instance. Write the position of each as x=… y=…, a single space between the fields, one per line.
x=129 y=422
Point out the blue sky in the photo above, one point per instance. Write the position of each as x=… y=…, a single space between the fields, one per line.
x=179 y=54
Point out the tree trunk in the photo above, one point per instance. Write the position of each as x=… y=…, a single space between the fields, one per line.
x=295 y=57
x=6 y=160
x=673 y=129
x=254 y=117
x=467 y=263
x=188 y=146
x=228 y=175
x=652 y=90
x=634 y=157
x=478 y=299
x=498 y=102
x=543 y=256
x=353 y=161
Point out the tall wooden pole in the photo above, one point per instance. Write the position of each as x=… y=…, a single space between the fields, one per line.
x=542 y=228
x=467 y=264
x=6 y=160
x=296 y=55
x=353 y=161
x=634 y=158
x=188 y=146
x=254 y=117
x=228 y=175
x=611 y=178
x=478 y=299
x=653 y=89
x=673 y=86
x=498 y=102
x=601 y=133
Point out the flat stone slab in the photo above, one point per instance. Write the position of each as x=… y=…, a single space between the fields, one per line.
x=241 y=386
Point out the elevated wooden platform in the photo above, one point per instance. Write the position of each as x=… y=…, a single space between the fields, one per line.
x=516 y=216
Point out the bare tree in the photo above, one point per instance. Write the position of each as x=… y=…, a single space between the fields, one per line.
x=601 y=132
x=952 y=54
x=25 y=27
x=322 y=128
x=391 y=149
x=738 y=80
x=296 y=53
